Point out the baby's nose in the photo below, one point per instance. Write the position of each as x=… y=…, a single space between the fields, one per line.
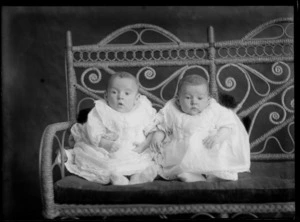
x=120 y=96
x=194 y=102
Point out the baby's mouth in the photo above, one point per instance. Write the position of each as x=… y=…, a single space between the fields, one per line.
x=194 y=109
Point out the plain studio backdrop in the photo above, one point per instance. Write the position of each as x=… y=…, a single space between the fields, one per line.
x=33 y=78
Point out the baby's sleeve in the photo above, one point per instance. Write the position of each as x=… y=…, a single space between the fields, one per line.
x=155 y=120
x=160 y=120
x=225 y=117
x=164 y=123
x=94 y=127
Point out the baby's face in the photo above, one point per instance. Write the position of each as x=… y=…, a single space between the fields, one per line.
x=122 y=94
x=193 y=98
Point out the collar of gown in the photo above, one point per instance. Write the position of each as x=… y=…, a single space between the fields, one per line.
x=173 y=107
x=141 y=104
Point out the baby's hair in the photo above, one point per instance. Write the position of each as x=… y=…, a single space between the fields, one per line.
x=122 y=74
x=192 y=80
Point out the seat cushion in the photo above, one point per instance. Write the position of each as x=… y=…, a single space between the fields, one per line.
x=267 y=182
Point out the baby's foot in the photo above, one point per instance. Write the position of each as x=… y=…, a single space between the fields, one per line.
x=119 y=179
x=148 y=175
x=191 y=177
x=222 y=176
x=59 y=157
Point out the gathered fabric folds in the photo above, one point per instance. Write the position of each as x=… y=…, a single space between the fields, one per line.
x=95 y=163
x=184 y=150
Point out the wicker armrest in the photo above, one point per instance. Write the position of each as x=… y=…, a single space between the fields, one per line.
x=45 y=162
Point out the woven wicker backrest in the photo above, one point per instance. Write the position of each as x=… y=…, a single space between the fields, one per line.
x=256 y=70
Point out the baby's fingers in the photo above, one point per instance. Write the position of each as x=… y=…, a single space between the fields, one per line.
x=139 y=148
x=205 y=141
x=208 y=142
x=114 y=149
x=136 y=144
x=136 y=149
x=159 y=147
x=154 y=147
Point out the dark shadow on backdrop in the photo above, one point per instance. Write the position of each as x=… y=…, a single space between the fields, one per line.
x=33 y=80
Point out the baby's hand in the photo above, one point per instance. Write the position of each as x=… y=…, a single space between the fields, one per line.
x=114 y=149
x=157 y=139
x=140 y=147
x=218 y=138
x=109 y=145
x=111 y=136
x=71 y=141
x=210 y=141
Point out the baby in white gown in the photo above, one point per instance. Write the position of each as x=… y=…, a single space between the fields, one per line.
x=111 y=147
x=198 y=139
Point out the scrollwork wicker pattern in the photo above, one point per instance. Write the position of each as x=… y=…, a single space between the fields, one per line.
x=266 y=95
x=212 y=60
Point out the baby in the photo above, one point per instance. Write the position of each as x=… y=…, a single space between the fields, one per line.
x=111 y=147
x=199 y=140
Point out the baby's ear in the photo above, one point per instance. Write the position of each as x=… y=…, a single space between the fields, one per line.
x=137 y=96
x=105 y=95
x=177 y=100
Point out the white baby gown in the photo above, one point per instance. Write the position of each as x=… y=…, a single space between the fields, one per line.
x=185 y=153
x=96 y=164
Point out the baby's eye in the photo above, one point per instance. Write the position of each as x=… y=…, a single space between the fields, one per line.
x=113 y=92
x=187 y=97
x=199 y=98
x=127 y=93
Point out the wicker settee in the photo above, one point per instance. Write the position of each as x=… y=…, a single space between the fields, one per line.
x=256 y=70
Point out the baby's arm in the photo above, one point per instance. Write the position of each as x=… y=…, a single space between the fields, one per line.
x=160 y=133
x=153 y=139
x=154 y=135
x=225 y=123
x=157 y=139
x=222 y=134
x=98 y=135
x=140 y=147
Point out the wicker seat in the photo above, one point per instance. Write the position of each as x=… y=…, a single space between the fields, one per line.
x=268 y=188
x=261 y=185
